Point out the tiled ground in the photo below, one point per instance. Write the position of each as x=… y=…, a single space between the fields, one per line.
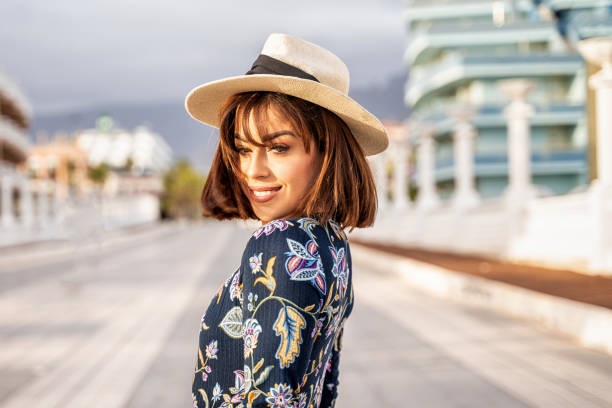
x=116 y=326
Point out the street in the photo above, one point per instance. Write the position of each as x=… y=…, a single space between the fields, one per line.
x=114 y=323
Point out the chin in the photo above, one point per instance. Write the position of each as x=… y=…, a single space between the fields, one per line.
x=267 y=217
x=264 y=217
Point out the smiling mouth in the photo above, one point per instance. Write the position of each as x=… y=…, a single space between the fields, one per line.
x=263 y=194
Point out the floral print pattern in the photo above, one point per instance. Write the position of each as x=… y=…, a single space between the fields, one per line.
x=271 y=226
x=251 y=332
x=280 y=347
x=288 y=326
x=304 y=263
x=255 y=263
x=280 y=396
x=211 y=350
x=340 y=270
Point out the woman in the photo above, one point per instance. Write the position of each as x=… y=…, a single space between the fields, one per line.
x=291 y=154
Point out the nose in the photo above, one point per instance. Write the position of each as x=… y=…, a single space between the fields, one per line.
x=257 y=165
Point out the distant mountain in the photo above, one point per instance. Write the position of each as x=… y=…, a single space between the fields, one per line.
x=386 y=101
x=192 y=140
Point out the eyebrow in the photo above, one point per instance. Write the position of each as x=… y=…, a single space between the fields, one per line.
x=270 y=136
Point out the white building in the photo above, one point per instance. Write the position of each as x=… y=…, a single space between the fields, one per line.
x=141 y=150
x=25 y=205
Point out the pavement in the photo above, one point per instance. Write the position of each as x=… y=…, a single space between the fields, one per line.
x=565 y=283
x=529 y=298
x=116 y=326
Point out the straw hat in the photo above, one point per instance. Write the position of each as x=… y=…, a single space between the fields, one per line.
x=292 y=66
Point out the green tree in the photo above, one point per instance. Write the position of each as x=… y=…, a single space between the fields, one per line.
x=128 y=165
x=182 y=189
x=99 y=173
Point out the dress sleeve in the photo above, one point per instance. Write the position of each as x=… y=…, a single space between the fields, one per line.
x=283 y=281
x=330 y=385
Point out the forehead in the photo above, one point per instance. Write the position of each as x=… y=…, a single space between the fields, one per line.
x=261 y=119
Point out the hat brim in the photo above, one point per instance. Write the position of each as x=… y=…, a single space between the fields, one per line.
x=204 y=102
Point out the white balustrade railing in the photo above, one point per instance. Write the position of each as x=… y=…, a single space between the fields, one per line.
x=573 y=230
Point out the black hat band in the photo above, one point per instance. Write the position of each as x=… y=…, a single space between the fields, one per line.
x=268 y=65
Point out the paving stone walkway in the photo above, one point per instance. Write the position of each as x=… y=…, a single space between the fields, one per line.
x=116 y=326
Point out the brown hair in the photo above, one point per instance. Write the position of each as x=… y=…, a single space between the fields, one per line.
x=343 y=190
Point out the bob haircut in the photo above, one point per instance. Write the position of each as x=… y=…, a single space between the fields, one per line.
x=344 y=189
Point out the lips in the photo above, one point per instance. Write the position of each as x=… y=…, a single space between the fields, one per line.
x=263 y=194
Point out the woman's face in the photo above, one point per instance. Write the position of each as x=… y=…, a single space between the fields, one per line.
x=279 y=174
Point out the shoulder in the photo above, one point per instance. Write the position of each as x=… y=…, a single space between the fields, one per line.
x=300 y=246
x=302 y=230
x=283 y=237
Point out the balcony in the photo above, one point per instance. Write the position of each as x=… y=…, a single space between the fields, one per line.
x=491 y=116
x=456 y=69
x=432 y=10
x=426 y=44
x=582 y=24
x=558 y=5
x=543 y=163
x=10 y=91
x=13 y=139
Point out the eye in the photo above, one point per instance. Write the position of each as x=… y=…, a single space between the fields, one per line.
x=279 y=148
x=242 y=150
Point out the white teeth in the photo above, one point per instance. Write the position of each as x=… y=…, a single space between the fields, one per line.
x=263 y=193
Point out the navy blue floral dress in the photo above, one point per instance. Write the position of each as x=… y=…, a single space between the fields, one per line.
x=271 y=337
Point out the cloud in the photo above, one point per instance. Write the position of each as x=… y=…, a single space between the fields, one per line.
x=69 y=53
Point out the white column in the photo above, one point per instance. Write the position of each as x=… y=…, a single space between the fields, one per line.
x=400 y=176
x=465 y=195
x=520 y=188
x=428 y=196
x=598 y=51
x=55 y=204
x=43 y=203
x=26 y=202
x=6 y=190
x=380 y=178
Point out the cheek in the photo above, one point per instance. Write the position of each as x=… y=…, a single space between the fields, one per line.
x=304 y=174
x=242 y=165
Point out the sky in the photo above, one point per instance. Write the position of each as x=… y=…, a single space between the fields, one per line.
x=68 y=54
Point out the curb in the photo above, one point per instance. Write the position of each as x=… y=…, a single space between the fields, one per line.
x=49 y=250
x=590 y=325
